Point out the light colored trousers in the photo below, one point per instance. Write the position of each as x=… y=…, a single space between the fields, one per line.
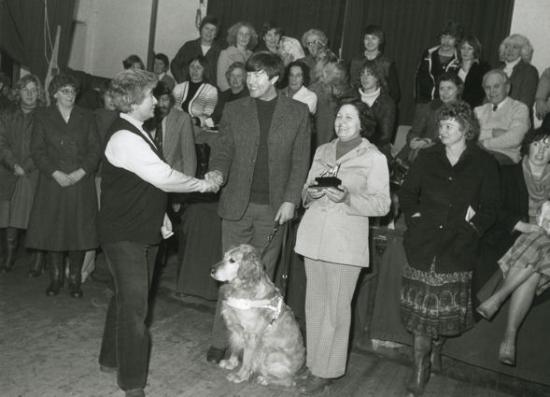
x=329 y=291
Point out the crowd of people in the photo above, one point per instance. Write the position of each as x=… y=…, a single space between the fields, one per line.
x=74 y=180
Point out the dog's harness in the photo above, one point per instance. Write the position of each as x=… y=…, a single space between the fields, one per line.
x=275 y=304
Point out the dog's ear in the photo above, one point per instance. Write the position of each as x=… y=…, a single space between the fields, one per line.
x=250 y=269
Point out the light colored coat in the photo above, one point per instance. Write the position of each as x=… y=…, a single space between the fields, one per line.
x=339 y=232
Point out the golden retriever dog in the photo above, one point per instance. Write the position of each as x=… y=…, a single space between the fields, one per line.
x=262 y=328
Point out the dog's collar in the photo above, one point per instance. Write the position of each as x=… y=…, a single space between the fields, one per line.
x=275 y=304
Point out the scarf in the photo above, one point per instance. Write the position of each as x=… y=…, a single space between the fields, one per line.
x=537 y=187
x=370 y=97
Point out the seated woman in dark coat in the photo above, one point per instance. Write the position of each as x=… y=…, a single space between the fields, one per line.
x=380 y=109
x=472 y=70
x=526 y=265
x=236 y=77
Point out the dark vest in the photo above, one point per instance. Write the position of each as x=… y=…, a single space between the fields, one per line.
x=131 y=209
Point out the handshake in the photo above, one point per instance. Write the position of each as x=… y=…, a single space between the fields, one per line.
x=64 y=179
x=213 y=181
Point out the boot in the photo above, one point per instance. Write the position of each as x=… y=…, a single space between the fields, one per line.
x=75 y=275
x=37 y=264
x=435 y=356
x=421 y=361
x=56 y=273
x=11 y=249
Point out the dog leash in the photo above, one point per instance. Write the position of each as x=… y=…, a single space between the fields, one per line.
x=270 y=238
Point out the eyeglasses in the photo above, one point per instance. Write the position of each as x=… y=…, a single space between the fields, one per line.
x=315 y=42
x=67 y=91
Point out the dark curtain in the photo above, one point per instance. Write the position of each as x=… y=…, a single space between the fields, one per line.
x=22 y=33
x=294 y=16
x=414 y=25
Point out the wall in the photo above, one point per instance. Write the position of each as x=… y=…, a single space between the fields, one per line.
x=108 y=31
x=532 y=19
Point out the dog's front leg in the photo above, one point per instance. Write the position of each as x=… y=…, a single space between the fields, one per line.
x=246 y=369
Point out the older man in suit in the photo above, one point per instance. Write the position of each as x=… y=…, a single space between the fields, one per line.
x=261 y=159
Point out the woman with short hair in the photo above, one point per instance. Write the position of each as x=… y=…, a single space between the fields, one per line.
x=135 y=180
x=380 y=107
x=66 y=150
x=242 y=39
x=449 y=199
x=313 y=41
x=196 y=96
x=515 y=53
x=521 y=243
x=296 y=81
x=333 y=238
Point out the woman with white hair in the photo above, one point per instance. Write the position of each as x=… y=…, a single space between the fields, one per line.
x=516 y=52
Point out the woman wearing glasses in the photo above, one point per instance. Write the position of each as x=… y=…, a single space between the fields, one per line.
x=65 y=148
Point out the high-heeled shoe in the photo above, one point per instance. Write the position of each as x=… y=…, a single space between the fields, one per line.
x=507 y=352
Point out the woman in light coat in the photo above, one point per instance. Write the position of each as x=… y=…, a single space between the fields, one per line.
x=333 y=238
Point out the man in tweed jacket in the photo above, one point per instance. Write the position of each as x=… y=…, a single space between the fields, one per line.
x=261 y=159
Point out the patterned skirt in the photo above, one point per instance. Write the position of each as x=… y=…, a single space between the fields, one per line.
x=530 y=249
x=435 y=304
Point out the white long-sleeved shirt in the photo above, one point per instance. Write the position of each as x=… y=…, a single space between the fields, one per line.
x=127 y=150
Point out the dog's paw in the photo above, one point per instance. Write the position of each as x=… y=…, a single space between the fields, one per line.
x=237 y=377
x=262 y=380
x=230 y=363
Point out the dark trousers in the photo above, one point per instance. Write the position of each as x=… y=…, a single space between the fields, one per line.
x=126 y=340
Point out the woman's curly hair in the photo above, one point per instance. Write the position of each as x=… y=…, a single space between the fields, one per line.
x=464 y=115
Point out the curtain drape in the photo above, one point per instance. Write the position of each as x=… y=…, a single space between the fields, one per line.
x=23 y=36
x=294 y=16
x=413 y=25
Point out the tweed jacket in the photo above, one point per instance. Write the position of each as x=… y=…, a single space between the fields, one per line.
x=339 y=232
x=178 y=143
x=202 y=104
x=448 y=208
x=234 y=154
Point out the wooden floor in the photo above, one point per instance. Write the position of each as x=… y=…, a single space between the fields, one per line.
x=49 y=347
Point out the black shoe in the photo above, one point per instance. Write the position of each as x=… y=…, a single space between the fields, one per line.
x=54 y=288
x=314 y=385
x=37 y=264
x=75 y=291
x=215 y=355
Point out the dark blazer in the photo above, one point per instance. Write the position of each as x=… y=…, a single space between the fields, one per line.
x=473 y=93
x=441 y=194
x=524 y=81
x=234 y=154
x=189 y=50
